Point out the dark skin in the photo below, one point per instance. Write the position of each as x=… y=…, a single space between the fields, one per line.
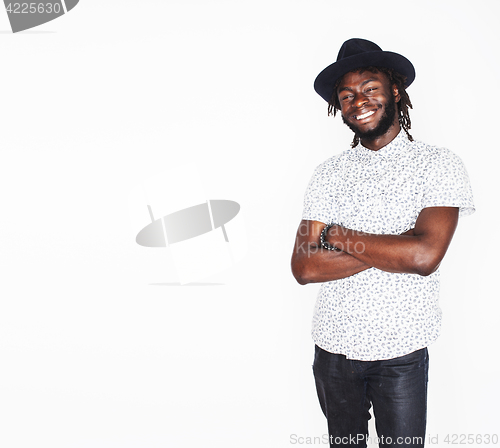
x=418 y=251
x=364 y=93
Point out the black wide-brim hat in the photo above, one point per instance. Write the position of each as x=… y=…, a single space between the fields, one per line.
x=359 y=53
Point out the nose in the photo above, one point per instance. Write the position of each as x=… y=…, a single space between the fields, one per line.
x=360 y=100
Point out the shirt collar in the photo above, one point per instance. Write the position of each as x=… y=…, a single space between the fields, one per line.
x=400 y=142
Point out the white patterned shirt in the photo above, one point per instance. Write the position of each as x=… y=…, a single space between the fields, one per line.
x=375 y=315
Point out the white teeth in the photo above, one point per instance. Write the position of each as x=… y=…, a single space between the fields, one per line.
x=360 y=117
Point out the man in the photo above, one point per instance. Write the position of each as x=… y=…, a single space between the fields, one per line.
x=377 y=221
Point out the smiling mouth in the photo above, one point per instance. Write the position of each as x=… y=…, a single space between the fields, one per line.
x=362 y=117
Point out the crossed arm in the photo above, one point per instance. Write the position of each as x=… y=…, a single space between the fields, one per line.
x=418 y=251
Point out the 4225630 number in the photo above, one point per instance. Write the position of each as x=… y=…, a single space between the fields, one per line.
x=34 y=8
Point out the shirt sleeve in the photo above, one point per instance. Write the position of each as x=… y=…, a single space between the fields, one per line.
x=319 y=197
x=448 y=184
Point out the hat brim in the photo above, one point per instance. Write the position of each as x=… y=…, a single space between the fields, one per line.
x=325 y=81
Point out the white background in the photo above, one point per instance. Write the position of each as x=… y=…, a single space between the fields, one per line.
x=94 y=351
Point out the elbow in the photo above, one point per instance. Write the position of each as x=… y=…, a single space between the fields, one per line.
x=426 y=264
x=301 y=280
x=299 y=271
x=300 y=277
x=425 y=271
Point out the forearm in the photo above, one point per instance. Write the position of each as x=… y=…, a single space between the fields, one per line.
x=408 y=253
x=314 y=264
x=418 y=251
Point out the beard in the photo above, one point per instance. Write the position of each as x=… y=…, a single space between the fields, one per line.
x=386 y=121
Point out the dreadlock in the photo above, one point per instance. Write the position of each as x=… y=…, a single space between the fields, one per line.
x=402 y=105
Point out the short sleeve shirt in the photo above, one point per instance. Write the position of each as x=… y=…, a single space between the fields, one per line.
x=376 y=315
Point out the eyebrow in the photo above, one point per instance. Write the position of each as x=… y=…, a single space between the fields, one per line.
x=342 y=88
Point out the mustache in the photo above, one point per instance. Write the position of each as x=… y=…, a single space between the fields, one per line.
x=385 y=122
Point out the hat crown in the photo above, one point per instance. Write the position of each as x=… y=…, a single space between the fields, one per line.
x=356 y=53
x=356 y=46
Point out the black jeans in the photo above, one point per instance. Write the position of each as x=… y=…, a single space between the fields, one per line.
x=397 y=388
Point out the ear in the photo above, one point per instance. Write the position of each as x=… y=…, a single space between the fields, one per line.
x=395 y=92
